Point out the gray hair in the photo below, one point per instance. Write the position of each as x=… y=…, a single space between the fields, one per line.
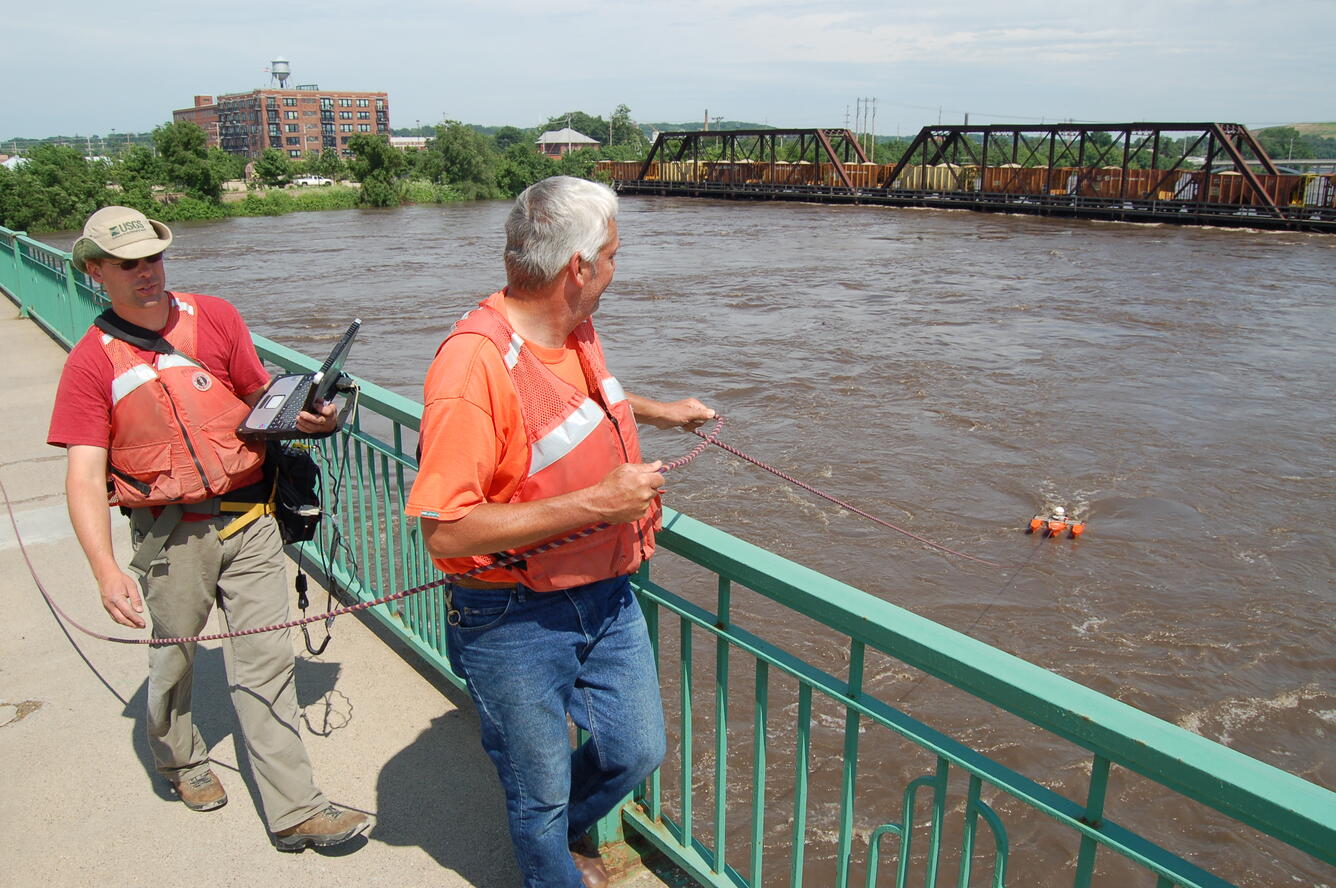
x=552 y=220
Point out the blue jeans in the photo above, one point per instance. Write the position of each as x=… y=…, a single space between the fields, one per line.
x=530 y=660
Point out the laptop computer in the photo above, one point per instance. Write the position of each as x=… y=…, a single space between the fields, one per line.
x=275 y=414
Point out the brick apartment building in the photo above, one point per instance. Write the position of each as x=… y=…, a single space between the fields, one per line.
x=297 y=121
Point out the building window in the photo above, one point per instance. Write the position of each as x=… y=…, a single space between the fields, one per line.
x=293 y=128
x=363 y=115
x=291 y=115
x=345 y=103
x=380 y=104
x=293 y=140
x=326 y=102
x=364 y=127
x=295 y=153
x=364 y=103
x=345 y=127
x=290 y=101
x=345 y=115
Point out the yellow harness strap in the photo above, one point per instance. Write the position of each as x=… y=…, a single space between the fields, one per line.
x=250 y=512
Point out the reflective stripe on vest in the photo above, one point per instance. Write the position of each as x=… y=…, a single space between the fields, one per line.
x=565 y=437
x=613 y=392
x=174 y=441
x=512 y=354
x=573 y=442
x=166 y=362
x=130 y=380
x=139 y=374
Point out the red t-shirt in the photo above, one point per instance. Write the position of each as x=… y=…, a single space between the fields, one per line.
x=82 y=412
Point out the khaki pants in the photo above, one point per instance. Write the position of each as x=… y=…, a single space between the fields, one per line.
x=246 y=576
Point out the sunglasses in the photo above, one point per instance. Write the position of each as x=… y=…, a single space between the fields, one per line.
x=132 y=264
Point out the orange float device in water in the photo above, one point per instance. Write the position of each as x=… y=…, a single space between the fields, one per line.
x=1056 y=523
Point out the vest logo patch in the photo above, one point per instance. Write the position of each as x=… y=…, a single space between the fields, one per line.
x=202 y=382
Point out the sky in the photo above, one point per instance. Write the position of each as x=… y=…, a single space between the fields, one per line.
x=786 y=63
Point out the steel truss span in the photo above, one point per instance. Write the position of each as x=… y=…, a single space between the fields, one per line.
x=1184 y=173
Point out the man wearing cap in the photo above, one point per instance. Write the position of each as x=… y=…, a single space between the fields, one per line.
x=147 y=409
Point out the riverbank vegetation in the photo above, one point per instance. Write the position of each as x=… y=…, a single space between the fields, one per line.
x=174 y=176
x=177 y=177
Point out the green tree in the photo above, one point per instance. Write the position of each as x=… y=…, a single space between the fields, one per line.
x=509 y=135
x=137 y=165
x=273 y=168
x=1284 y=143
x=227 y=164
x=520 y=167
x=465 y=159
x=185 y=160
x=328 y=164
x=579 y=163
x=378 y=166
x=593 y=127
x=625 y=131
x=55 y=189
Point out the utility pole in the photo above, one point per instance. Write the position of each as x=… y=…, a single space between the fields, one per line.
x=872 y=142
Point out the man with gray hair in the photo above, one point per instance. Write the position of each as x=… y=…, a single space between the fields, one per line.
x=526 y=438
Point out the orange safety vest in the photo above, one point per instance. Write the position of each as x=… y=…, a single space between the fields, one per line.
x=574 y=441
x=173 y=423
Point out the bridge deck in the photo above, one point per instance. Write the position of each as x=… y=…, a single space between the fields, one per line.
x=82 y=802
x=1292 y=219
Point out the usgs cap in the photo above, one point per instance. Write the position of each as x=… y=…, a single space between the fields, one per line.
x=121 y=232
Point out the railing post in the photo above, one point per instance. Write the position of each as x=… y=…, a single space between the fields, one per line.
x=1094 y=814
x=850 y=776
x=72 y=297
x=18 y=268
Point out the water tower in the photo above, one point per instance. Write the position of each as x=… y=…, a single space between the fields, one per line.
x=279 y=70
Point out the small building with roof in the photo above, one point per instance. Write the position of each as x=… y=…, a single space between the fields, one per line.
x=555 y=143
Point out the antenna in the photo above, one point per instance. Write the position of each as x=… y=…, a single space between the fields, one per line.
x=279 y=70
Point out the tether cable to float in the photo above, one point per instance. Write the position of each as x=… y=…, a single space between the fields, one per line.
x=501 y=561
x=711 y=439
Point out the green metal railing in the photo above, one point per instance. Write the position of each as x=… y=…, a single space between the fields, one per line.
x=766 y=837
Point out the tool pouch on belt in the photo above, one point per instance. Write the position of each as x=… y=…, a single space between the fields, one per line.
x=296 y=482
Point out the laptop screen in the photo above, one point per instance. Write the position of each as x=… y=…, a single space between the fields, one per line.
x=328 y=379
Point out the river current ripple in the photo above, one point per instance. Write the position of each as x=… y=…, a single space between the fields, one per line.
x=952 y=373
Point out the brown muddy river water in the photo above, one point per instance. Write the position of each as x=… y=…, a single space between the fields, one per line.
x=952 y=373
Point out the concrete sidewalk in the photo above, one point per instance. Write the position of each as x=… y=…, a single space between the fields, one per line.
x=82 y=804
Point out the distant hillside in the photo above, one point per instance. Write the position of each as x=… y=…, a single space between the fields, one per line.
x=1322 y=130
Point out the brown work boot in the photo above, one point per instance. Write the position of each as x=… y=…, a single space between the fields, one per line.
x=203 y=792
x=585 y=855
x=328 y=827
